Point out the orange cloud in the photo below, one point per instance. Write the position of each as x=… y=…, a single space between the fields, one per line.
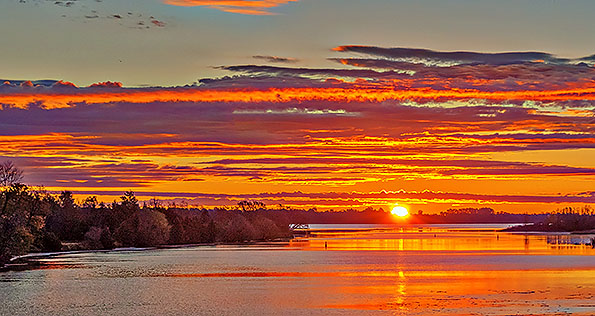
x=61 y=99
x=249 y=7
x=437 y=200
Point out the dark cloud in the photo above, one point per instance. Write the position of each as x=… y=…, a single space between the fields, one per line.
x=418 y=55
x=523 y=71
x=404 y=68
x=22 y=83
x=158 y=23
x=95 y=10
x=313 y=72
x=275 y=59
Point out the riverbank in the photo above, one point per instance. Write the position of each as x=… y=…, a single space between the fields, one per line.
x=557 y=236
x=33 y=261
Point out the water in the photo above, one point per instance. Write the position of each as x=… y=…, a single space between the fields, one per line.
x=385 y=270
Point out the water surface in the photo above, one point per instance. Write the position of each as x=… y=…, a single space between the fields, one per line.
x=413 y=270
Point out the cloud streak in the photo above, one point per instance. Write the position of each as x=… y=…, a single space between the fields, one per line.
x=275 y=59
x=66 y=96
x=354 y=199
x=432 y=57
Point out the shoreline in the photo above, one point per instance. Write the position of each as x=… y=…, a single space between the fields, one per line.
x=528 y=228
x=32 y=260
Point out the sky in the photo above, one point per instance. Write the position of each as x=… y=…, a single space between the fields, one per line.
x=329 y=104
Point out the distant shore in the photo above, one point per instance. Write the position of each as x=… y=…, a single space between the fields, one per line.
x=544 y=228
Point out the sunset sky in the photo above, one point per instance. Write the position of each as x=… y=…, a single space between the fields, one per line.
x=431 y=104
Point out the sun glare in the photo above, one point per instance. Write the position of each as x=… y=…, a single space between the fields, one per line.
x=400 y=211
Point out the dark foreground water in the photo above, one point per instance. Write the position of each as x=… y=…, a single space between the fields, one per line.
x=432 y=270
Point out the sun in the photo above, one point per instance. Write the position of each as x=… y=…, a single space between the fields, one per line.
x=400 y=211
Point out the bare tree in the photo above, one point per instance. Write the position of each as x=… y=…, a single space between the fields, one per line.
x=9 y=174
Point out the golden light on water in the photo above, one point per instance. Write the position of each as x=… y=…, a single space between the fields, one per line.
x=400 y=211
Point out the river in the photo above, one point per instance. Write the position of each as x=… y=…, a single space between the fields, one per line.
x=336 y=270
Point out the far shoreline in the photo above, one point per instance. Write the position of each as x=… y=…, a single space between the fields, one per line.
x=542 y=228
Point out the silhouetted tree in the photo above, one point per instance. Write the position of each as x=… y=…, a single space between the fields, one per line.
x=9 y=174
x=177 y=233
x=66 y=220
x=120 y=212
x=99 y=238
x=237 y=229
x=251 y=205
x=143 y=229
x=90 y=202
x=21 y=221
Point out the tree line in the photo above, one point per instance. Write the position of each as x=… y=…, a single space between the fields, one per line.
x=33 y=220
x=567 y=219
